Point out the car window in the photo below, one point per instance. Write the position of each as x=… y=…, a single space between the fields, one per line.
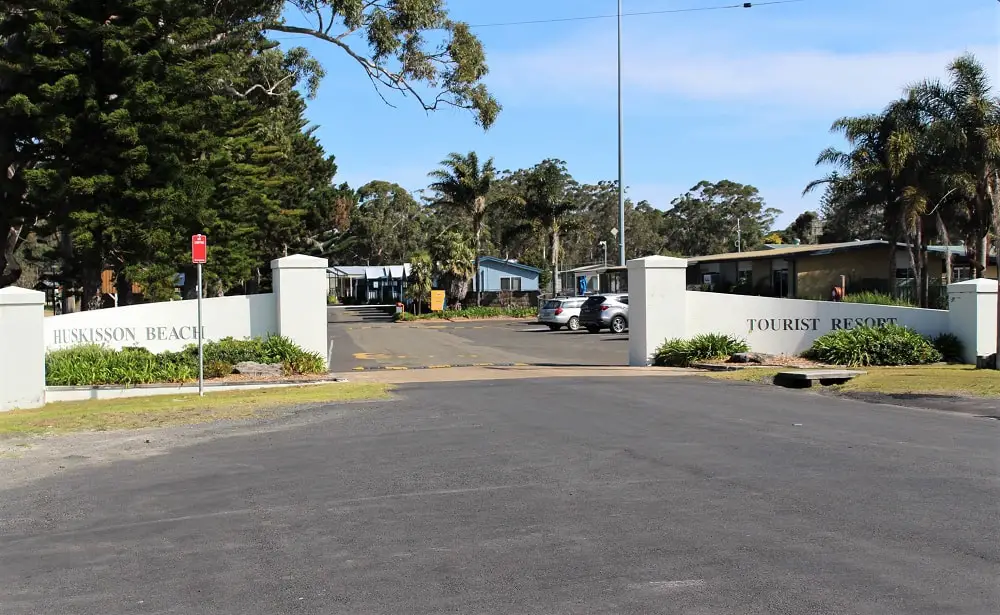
x=623 y=300
x=594 y=301
x=550 y=305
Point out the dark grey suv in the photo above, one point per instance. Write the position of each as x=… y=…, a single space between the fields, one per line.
x=609 y=311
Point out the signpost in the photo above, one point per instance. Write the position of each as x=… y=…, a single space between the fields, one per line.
x=199 y=256
x=437 y=300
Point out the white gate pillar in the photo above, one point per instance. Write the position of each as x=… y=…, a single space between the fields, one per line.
x=22 y=348
x=657 y=297
x=300 y=291
x=972 y=316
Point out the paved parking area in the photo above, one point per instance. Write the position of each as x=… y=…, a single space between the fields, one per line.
x=369 y=340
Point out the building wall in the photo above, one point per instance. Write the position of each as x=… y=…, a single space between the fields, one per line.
x=790 y=326
x=816 y=275
x=166 y=326
x=490 y=273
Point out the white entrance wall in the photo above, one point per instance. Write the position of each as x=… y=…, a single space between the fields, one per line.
x=161 y=327
x=661 y=308
x=296 y=310
x=22 y=348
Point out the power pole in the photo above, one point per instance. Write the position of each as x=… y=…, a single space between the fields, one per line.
x=621 y=123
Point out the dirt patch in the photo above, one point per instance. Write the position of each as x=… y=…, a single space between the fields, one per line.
x=27 y=458
x=765 y=361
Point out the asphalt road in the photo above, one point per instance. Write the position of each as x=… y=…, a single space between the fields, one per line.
x=366 y=339
x=558 y=497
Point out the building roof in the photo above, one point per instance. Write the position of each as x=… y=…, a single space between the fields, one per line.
x=370 y=272
x=493 y=259
x=793 y=251
x=788 y=251
x=594 y=269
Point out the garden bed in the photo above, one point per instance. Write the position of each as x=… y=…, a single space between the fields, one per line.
x=474 y=313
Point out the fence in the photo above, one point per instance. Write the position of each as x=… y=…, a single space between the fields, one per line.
x=661 y=307
x=296 y=309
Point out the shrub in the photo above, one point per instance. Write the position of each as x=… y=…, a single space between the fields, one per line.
x=950 y=347
x=218 y=369
x=472 y=313
x=888 y=344
x=874 y=298
x=91 y=365
x=715 y=346
x=681 y=353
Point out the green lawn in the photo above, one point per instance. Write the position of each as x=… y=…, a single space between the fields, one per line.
x=165 y=410
x=933 y=379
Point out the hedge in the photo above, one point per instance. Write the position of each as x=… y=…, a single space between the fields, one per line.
x=90 y=365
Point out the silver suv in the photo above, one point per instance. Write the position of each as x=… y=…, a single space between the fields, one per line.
x=561 y=312
x=605 y=312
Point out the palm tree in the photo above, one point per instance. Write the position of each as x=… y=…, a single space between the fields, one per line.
x=863 y=181
x=420 y=281
x=966 y=117
x=548 y=202
x=464 y=185
x=454 y=262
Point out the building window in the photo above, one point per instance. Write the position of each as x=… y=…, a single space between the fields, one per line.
x=510 y=284
x=961 y=274
x=904 y=274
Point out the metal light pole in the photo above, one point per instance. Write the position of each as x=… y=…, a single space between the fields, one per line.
x=621 y=184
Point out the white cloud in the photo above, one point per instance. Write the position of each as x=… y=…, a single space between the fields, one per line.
x=668 y=70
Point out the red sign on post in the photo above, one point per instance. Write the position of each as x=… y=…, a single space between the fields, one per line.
x=199 y=249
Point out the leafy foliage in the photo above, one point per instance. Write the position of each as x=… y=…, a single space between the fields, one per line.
x=874 y=298
x=951 y=348
x=707 y=346
x=472 y=313
x=91 y=365
x=704 y=219
x=882 y=345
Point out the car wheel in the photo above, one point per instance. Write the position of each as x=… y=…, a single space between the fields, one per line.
x=618 y=324
x=573 y=324
x=553 y=327
x=593 y=329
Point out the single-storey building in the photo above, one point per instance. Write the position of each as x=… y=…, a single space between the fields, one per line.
x=593 y=279
x=361 y=284
x=497 y=275
x=810 y=271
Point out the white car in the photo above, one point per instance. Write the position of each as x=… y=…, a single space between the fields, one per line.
x=561 y=312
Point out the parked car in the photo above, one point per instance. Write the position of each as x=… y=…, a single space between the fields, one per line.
x=561 y=312
x=605 y=312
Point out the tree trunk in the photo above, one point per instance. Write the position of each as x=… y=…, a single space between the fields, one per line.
x=943 y=232
x=68 y=286
x=477 y=234
x=92 y=299
x=893 y=248
x=10 y=266
x=995 y=208
x=915 y=258
x=123 y=287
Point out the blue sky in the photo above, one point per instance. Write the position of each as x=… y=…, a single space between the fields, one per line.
x=741 y=94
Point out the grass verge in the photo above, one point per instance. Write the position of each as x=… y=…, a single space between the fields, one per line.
x=931 y=379
x=167 y=410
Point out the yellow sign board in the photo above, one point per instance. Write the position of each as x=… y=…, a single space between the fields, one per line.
x=437 y=300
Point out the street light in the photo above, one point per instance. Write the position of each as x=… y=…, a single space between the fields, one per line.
x=621 y=184
x=604 y=245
